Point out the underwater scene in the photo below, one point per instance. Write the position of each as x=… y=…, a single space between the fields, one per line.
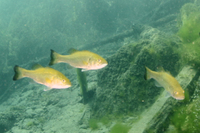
x=100 y=66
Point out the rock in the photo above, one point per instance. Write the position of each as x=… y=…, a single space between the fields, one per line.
x=121 y=87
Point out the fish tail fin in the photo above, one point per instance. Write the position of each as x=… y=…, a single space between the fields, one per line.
x=147 y=73
x=18 y=73
x=54 y=57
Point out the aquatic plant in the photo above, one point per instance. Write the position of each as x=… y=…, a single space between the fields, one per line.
x=189 y=32
x=190 y=29
x=83 y=84
x=30 y=124
x=105 y=120
x=185 y=118
x=93 y=123
x=120 y=128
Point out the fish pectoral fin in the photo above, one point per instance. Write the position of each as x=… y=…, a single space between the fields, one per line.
x=47 y=89
x=157 y=84
x=48 y=80
x=167 y=95
x=68 y=66
x=85 y=63
x=31 y=81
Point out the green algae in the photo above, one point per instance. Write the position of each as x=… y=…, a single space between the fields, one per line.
x=185 y=118
x=105 y=120
x=189 y=33
x=30 y=124
x=120 y=128
x=190 y=29
x=93 y=124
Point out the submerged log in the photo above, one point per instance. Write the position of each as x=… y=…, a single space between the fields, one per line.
x=136 y=30
x=163 y=13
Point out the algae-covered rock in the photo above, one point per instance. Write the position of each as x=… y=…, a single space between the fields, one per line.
x=197 y=2
x=7 y=120
x=121 y=86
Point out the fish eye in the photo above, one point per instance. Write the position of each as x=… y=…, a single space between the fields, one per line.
x=99 y=60
x=64 y=80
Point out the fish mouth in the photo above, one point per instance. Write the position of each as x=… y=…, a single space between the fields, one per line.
x=103 y=65
x=66 y=86
x=69 y=86
x=180 y=98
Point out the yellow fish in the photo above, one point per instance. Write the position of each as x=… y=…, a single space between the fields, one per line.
x=43 y=75
x=167 y=81
x=79 y=59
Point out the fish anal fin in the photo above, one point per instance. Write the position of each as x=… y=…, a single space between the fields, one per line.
x=84 y=70
x=47 y=89
x=157 y=84
x=69 y=66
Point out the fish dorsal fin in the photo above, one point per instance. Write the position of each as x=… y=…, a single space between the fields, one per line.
x=36 y=66
x=168 y=72
x=72 y=50
x=160 y=69
x=48 y=67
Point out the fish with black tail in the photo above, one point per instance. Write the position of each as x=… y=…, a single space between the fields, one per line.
x=43 y=75
x=85 y=60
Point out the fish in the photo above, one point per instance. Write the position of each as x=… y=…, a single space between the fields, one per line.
x=85 y=60
x=167 y=81
x=47 y=76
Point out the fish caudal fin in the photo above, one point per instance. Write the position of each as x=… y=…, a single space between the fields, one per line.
x=54 y=57
x=18 y=73
x=147 y=73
